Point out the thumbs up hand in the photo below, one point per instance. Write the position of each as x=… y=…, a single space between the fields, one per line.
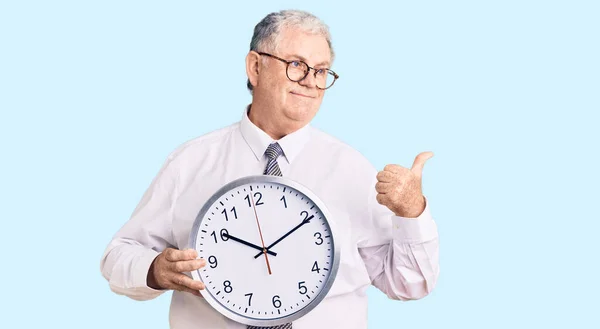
x=399 y=188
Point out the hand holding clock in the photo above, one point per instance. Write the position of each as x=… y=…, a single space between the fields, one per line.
x=166 y=271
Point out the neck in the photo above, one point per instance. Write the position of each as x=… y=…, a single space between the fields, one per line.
x=271 y=124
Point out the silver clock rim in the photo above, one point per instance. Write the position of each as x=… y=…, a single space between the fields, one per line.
x=332 y=227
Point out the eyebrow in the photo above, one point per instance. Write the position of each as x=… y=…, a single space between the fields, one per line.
x=326 y=63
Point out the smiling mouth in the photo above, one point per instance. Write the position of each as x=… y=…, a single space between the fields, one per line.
x=302 y=95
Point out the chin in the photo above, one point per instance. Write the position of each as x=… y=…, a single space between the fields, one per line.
x=302 y=114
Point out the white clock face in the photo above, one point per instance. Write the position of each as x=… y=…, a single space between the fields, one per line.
x=301 y=260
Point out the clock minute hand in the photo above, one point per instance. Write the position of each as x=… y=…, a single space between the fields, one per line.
x=306 y=221
x=229 y=236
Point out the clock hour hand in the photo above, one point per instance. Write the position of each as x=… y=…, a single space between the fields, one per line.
x=306 y=221
x=229 y=236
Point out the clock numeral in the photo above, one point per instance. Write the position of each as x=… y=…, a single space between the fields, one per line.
x=213 y=261
x=224 y=212
x=258 y=202
x=319 y=239
x=284 y=202
x=305 y=214
x=227 y=286
x=301 y=287
x=257 y=198
x=316 y=268
x=249 y=299
x=223 y=231
x=276 y=301
x=306 y=219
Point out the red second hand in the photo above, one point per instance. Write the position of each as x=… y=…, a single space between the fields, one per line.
x=261 y=237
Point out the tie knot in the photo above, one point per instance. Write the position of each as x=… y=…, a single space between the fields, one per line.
x=273 y=151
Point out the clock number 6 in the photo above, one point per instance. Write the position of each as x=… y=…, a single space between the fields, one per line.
x=276 y=301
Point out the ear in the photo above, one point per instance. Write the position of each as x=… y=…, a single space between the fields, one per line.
x=253 y=67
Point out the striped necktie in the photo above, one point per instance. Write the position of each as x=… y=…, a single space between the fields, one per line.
x=273 y=152
x=281 y=326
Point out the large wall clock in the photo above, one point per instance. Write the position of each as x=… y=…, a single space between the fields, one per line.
x=270 y=248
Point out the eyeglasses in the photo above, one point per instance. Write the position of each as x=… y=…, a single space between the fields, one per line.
x=297 y=70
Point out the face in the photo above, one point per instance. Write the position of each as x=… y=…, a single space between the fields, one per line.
x=290 y=105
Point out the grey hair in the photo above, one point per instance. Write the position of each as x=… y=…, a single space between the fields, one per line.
x=268 y=31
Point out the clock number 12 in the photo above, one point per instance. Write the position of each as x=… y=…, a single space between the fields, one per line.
x=257 y=197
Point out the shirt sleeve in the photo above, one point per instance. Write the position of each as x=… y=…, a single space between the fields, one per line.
x=132 y=250
x=400 y=254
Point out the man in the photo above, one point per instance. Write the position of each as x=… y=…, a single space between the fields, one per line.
x=386 y=232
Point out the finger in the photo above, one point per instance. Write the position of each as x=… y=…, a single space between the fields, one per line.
x=382 y=199
x=383 y=188
x=396 y=169
x=386 y=176
x=186 y=289
x=186 y=281
x=419 y=162
x=174 y=255
x=188 y=265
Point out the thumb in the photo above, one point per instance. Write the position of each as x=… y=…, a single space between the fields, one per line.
x=420 y=159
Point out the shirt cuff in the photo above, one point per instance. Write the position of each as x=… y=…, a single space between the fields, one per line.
x=140 y=278
x=415 y=230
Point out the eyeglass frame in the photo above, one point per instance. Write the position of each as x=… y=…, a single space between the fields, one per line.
x=335 y=75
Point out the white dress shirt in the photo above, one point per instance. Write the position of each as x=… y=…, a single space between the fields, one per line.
x=397 y=255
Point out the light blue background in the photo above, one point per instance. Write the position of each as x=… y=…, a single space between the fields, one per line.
x=94 y=96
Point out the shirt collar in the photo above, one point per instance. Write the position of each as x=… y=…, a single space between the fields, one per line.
x=291 y=144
